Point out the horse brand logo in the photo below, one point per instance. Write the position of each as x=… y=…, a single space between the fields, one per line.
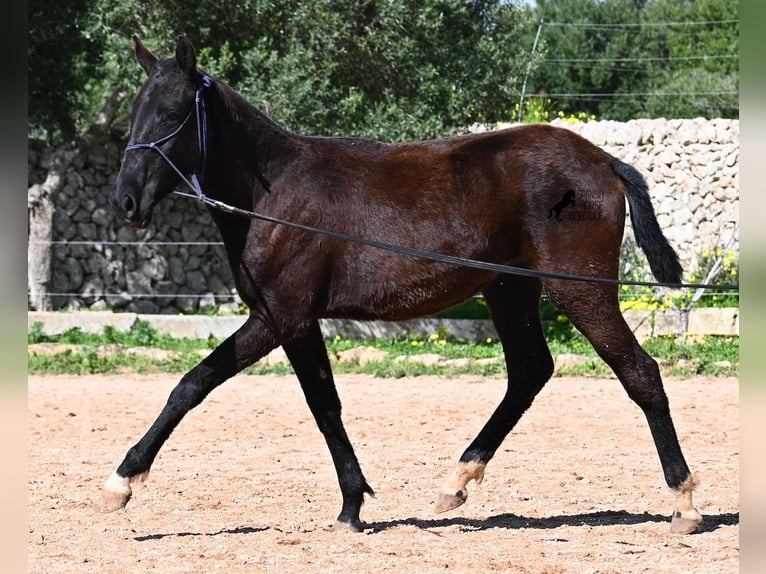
x=568 y=199
x=588 y=207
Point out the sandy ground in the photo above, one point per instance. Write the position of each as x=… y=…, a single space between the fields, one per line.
x=246 y=484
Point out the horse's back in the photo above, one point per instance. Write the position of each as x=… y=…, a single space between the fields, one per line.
x=488 y=189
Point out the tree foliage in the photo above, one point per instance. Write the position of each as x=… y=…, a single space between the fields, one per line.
x=618 y=58
x=393 y=69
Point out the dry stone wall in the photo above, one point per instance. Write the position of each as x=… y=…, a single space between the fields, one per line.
x=178 y=264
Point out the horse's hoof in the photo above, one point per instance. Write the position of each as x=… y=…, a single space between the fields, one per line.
x=112 y=501
x=343 y=526
x=115 y=493
x=686 y=523
x=447 y=502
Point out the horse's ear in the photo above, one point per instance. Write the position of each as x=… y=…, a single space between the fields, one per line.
x=144 y=56
x=185 y=56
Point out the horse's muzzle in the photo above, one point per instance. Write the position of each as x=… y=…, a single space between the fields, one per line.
x=127 y=209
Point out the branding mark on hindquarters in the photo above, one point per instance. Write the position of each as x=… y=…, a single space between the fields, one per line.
x=567 y=200
x=589 y=206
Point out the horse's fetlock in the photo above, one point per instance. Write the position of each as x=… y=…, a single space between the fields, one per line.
x=139 y=478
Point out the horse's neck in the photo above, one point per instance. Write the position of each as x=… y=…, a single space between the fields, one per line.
x=250 y=149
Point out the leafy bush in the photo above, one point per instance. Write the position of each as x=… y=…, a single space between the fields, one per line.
x=542 y=110
x=728 y=263
x=633 y=267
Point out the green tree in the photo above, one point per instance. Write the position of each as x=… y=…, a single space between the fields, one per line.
x=617 y=58
x=582 y=52
x=78 y=57
x=393 y=69
x=703 y=59
x=57 y=59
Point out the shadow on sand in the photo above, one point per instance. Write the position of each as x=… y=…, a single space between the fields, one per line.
x=710 y=523
x=513 y=521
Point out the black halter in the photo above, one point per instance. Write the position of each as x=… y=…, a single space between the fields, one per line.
x=199 y=107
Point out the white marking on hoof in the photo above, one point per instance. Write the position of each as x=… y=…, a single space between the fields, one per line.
x=686 y=519
x=139 y=478
x=339 y=526
x=116 y=491
x=453 y=492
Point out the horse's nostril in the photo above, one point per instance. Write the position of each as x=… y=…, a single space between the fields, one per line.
x=129 y=205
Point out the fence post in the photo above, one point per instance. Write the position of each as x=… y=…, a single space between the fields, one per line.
x=529 y=68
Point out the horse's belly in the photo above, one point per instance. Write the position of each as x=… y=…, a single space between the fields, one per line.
x=378 y=295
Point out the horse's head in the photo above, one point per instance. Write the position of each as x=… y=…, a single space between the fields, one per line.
x=163 y=134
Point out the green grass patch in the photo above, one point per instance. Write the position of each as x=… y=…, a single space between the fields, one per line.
x=111 y=352
x=141 y=334
x=711 y=355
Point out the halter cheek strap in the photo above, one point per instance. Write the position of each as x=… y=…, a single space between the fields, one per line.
x=201 y=114
x=199 y=104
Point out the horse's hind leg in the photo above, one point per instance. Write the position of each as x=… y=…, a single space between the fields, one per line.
x=308 y=356
x=514 y=305
x=595 y=311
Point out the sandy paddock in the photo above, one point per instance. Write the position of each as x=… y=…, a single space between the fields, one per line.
x=246 y=484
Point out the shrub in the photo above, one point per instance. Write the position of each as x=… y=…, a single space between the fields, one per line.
x=542 y=110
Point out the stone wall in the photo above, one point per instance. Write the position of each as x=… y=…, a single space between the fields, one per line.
x=178 y=264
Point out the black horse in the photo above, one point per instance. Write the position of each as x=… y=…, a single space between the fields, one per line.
x=484 y=197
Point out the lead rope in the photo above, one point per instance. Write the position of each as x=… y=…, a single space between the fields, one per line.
x=442 y=258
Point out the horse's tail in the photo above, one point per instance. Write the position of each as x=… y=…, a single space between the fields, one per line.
x=663 y=260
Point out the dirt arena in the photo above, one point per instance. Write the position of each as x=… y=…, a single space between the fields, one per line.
x=245 y=484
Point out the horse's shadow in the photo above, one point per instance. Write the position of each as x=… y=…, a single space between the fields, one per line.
x=238 y=530
x=507 y=521
x=511 y=521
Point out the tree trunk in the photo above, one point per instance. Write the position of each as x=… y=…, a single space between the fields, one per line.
x=41 y=202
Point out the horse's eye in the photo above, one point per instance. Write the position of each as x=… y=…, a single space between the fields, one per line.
x=171 y=115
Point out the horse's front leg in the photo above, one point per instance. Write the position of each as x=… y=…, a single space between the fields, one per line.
x=308 y=356
x=248 y=344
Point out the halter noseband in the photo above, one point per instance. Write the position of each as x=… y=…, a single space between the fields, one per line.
x=199 y=107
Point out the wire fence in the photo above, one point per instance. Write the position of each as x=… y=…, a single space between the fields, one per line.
x=628 y=25
x=624 y=294
x=655 y=64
